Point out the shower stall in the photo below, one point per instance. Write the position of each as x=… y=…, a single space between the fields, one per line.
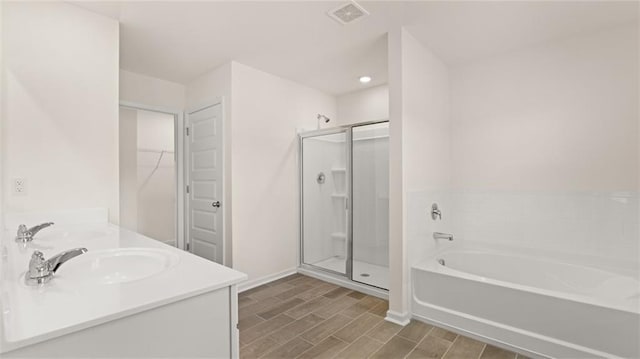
x=344 y=199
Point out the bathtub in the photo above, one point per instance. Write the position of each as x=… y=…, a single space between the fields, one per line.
x=542 y=307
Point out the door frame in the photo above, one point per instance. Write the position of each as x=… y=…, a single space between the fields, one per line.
x=316 y=133
x=226 y=205
x=178 y=143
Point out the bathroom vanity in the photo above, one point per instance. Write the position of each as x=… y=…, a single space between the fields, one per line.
x=127 y=296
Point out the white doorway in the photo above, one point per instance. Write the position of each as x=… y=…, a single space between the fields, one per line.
x=171 y=176
x=150 y=173
x=204 y=170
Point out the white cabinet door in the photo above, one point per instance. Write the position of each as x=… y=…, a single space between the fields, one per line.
x=204 y=161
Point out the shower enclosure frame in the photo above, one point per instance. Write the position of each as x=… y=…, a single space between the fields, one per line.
x=348 y=131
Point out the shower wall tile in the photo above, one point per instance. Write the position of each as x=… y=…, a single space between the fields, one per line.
x=585 y=224
x=590 y=223
x=420 y=225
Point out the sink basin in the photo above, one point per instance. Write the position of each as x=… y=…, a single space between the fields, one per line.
x=116 y=265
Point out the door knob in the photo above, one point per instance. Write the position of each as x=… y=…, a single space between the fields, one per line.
x=216 y=204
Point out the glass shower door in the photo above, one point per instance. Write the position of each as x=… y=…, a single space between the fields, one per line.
x=370 y=176
x=325 y=193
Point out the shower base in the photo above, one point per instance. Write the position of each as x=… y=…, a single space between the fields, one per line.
x=363 y=272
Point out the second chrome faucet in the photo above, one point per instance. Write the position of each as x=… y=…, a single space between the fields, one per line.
x=25 y=235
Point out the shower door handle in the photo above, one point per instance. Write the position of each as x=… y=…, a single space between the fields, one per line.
x=216 y=204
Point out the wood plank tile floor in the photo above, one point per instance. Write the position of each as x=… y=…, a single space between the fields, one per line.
x=303 y=317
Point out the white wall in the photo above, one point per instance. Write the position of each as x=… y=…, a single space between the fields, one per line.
x=2 y=116
x=398 y=291
x=60 y=120
x=2 y=147
x=420 y=136
x=266 y=112
x=262 y=113
x=151 y=91
x=427 y=143
x=209 y=86
x=371 y=104
x=545 y=147
x=560 y=116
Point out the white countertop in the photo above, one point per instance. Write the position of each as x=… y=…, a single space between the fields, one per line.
x=62 y=306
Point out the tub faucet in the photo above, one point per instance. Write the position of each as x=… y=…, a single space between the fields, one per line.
x=41 y=271
x=440 y=235
x=436 y=213
x=25 y=235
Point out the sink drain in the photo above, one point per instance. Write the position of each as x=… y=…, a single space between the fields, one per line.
x=365 y=275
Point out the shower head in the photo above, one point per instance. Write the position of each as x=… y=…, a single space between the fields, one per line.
x=323 y=118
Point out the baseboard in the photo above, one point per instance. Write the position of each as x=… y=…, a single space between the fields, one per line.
x=398 y=318
x=264 y=280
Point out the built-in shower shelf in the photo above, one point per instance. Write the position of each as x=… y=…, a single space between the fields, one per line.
x=339 y=195
x=338 y=235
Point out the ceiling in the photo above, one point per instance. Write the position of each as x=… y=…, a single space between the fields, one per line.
x=178 y=40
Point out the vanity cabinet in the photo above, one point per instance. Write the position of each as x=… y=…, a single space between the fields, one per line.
x=203 y=326
x=127 y=296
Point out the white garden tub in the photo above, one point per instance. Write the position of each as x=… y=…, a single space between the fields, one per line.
x=549 y=307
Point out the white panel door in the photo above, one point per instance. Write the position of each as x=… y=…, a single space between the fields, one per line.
x=204 y=228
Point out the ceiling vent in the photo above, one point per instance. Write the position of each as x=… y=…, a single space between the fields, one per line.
x=348 y=13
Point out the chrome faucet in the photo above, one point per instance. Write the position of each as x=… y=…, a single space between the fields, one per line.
x=41 y=271
x=25 y=235
x=440 y=235
x=436 y=213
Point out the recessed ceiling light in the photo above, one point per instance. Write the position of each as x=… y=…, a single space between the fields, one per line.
x=365 y=79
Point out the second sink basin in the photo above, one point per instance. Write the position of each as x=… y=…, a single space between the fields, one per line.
x=117 y=265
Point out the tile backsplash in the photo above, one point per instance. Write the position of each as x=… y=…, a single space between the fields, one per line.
x=604 y=224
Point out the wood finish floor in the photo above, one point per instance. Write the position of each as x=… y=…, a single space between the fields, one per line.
x=303 y=317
